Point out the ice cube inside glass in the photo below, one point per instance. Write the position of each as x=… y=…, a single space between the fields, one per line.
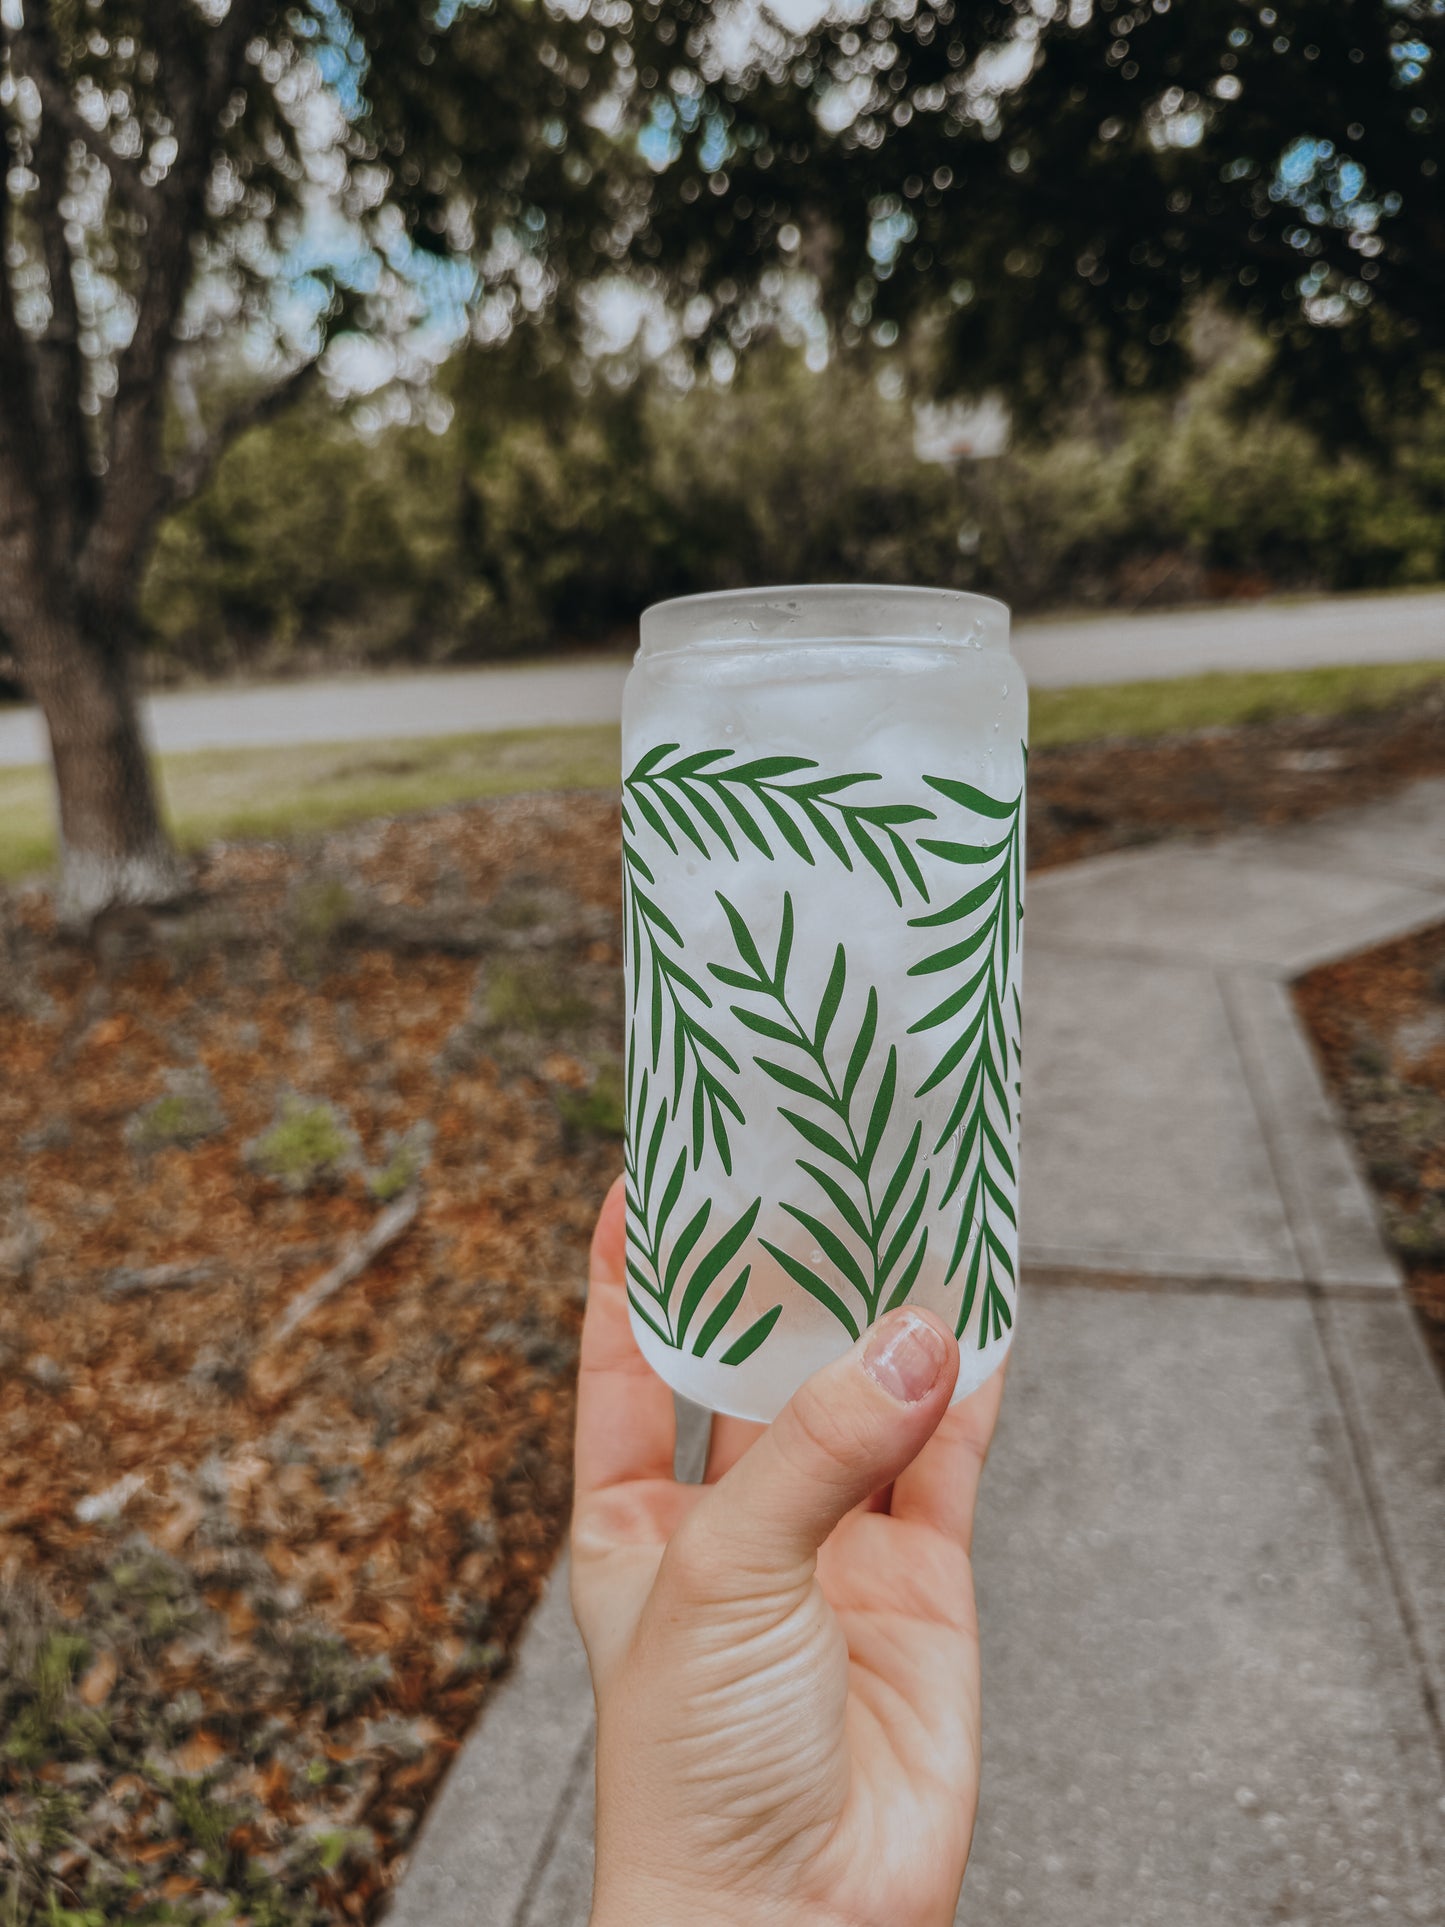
x=823 y=823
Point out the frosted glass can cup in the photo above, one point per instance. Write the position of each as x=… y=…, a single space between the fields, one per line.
x=823 y=859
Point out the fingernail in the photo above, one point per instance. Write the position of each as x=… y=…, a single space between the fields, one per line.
x=905 y=1355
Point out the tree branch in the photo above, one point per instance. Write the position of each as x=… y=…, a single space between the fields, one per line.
x=388 y=1225
x=12 y=342
x=64 y=448
x=227 y=49
x=191 y=475
x=57 y=104
x=19 y=439
x=203 y=65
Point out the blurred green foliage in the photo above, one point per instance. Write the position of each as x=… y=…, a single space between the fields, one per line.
x=599 y=1110
x=309 y=1145
x=548 y=513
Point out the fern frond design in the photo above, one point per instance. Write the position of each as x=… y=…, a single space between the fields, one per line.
x=706 y=798
x=667 y=1296
x=881 y=1259
x=972 y=1017
x=653 y=946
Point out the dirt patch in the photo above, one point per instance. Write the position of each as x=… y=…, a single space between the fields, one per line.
x=1378 y=1022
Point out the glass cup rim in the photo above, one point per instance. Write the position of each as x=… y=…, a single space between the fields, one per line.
x=823 y=613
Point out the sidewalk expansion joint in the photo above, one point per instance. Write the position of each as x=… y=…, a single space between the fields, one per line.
x=1375 y=1512
x=578 y=1773
x=1079 y=1276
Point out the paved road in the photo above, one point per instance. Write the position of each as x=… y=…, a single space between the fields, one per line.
x=1340 y=629
x=1211 y=1546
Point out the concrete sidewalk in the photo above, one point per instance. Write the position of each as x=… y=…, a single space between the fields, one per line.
x=1055 y=654
x=1211 y=1547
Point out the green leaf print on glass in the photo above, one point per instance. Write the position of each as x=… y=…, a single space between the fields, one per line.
x=651 y=940
x=980 y=1021
x=879 y=1259
x=667 y=1297
x=707 y=795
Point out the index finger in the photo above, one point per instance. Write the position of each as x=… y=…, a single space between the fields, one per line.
x=626 y=1426
x=940 y=1488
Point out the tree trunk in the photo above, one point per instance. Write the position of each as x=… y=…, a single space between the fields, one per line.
x=114 y=848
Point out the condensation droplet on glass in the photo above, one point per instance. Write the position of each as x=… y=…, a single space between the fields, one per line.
x=995 y=723
x=1004 y=690
x=816 y=1257
x=692 y=869
x=730 y=729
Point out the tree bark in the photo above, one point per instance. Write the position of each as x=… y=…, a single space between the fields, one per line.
x=74 y=532
x=114 y=848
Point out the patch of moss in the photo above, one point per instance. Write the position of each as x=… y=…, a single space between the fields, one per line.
x=311 y=1144
x=203 y=1819
x=526 y=902
x=319 y=912
x=42 y=1718
x=405 y=1160
x=320 y=908
x=1419 y=1235
x=597 y=1111
x=533 y=1000
x=187 y=1112
x=325 y=1672
x=145 y=1595
x=517 y=910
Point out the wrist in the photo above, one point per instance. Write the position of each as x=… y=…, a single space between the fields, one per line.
x=641 y=1903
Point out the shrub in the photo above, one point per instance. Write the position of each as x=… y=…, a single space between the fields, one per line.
x=550 y=513
x=309 y=1145
x=188 y=1111
x=596 y=1111
x=406 y=1157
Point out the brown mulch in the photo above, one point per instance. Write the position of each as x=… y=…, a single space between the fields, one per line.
x=254 y=1585
x=1103 y=796
x=253 y=1588
x=1378 y=1022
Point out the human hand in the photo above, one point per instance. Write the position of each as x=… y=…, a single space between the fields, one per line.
x=785 y=1658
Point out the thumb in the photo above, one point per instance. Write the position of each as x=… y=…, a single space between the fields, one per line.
x=844 y=1435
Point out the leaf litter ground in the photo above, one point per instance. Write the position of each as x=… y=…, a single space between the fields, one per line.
x=1378 y=1021
x=253 y=1586
x=255 y=1583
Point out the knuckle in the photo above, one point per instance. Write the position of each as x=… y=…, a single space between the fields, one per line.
x=951 y=1571
x=691 y=1563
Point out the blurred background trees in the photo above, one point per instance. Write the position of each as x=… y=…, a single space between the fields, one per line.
x=535 y=522
x=1066 y=178
x=355 y=329
x=200 y=199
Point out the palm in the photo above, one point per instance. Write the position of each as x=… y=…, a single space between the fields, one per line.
x=912 y=1722
x=822 y=1730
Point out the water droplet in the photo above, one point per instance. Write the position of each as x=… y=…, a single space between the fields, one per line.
x=692 y=869
x=816 y=1256
x=995 y=724
x=1004 y=690
x=730 y=729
